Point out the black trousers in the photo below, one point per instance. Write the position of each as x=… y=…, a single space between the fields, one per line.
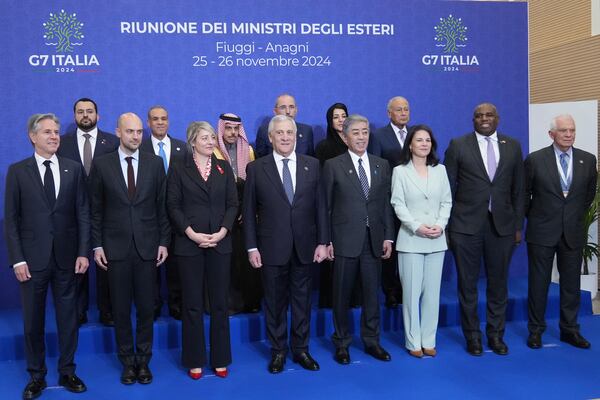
x=345 y=270
x=103 y=295
x=171 y=272
x=33 y=297
x=390 y=278
x=133 y=280
x=283 y=285
x=212 y=268
x=496 y=252
x=246 y=290
x=540 y=273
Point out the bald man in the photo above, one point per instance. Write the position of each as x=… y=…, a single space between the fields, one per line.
x=130 y=235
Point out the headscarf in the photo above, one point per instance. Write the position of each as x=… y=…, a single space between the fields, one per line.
x=242 y=145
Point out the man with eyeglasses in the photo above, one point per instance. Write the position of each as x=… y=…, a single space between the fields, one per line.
x=286 y=105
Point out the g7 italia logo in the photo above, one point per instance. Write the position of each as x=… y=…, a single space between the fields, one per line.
x=451 y=37
x=64 y=32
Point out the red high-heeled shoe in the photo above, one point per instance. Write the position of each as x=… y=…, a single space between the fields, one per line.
x=195 y=375
x=222 y=373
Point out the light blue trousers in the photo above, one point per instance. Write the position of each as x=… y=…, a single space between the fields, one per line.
x=421 y=277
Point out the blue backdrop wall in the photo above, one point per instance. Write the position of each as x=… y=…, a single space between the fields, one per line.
x=202 y=58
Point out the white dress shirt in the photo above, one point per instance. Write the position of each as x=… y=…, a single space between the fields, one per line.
x=166 y=147
x=563 y=177
x=54 y=167
x=291 y=165
x=81 y=140
x=483 y=143
x=355 y=157
x=134 y=162
x=397 y=131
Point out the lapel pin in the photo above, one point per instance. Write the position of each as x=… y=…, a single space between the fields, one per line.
x=349 y=171
x=66 y=170
x=103 y=141
x=300 y=135
x=305 y=168
x=177 y=149
x=503 y=141
x=580 y=161
x=220 y=169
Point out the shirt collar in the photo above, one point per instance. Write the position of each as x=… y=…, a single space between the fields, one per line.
x=93 y=133
x=155 y=141
x=122 y=155
x=398 y=129
x=278 y=157
x=558 y=151
x=355 y=157
x=40 y=160
x=481 y=138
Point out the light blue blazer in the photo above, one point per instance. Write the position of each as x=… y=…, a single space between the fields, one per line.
x=417 y=201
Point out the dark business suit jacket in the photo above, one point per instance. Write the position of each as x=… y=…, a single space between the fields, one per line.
x=472 y=188
x=205 y=206
x=549 y=214
x=178 y=149
x=116 y=220
x=304 y=140
x=105 y=143
x=274 y=226
x=348 y=209
x=33 y=229
x=384 y=143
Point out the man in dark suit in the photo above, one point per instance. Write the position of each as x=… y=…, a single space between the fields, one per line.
x=83 y=145
x=170 y=150
x=485 y=170
x=47 y=228
x=357 y=186
x=285 y=230
x=286 y=105
x=560 y=187
x=387 y=142
x=130 y=235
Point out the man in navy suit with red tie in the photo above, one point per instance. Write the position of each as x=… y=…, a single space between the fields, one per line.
x=47 y=228
x=285 y=230
x=83 y=145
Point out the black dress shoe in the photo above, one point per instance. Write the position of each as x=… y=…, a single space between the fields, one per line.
x=72 y=383
x=144 y=376
x=306 y=361
x=128 y=375
x=378 y=352
x=534 y=341
x=575 y=339
x=498 y=346
x=34 y=388
x=107 y=319
x=82 y=319
x=277 y=363
x=391 y=302
x=474 y=347
x=342 y=356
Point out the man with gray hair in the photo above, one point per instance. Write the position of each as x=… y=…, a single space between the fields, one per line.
x=285 y=231
x=47 y=228
x=357 y=187
x=560 y=185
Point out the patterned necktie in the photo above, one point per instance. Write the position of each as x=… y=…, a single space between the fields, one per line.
x=402 y=136
x=163 y=155
x=87 y=153
x=362 y=176
x=130 y=178
x=287 y=181
x=49 y=184
x=564 y=164
x=491 y=159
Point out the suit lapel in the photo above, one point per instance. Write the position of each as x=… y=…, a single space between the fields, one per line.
x=65 y=176
x=350 y=172
x=578 y=171
x=552 y=168
x=193 y=173
x=474 y=146
x=271 y=171
x=34 y=173
x=118 y=172
x=302 y=171
x=392 y=138
x=417 y=181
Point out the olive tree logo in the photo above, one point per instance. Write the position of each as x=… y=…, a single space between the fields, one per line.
x=65 y=28
x=450 y=31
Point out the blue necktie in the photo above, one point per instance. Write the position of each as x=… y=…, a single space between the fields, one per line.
x=287 y=181
x=163 y=155
x=564 y=164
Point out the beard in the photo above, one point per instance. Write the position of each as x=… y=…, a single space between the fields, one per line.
x=87 y=124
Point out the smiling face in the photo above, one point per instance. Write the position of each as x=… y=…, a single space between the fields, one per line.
x=46 y=138
x=420 y=145
x=283 y=137
x=158 y=121
x=357 y=137
x=485 y=119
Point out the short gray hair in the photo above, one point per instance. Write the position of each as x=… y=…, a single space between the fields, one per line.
x=33 y=123
x=194 y=128
x=351 y=120
x=390 y=101
x=553 y=121
x=281 y=118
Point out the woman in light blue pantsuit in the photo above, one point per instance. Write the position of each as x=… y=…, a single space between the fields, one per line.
x=422 y=201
